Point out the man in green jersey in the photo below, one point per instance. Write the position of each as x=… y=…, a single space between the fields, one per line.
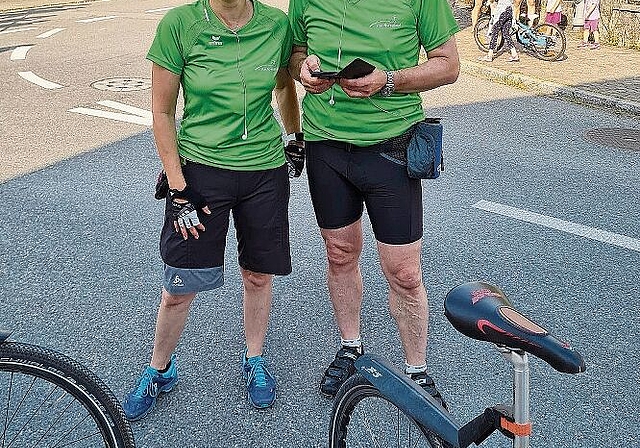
x=356 y=133
x=227 y=157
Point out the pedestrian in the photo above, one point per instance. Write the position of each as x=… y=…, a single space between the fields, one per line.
x=554 y=12
x=501 y=23
x=228 y=56
x=356 y=133
x=591 y=23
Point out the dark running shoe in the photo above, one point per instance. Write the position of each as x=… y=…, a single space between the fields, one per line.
x=423 y=380
x=340 y=369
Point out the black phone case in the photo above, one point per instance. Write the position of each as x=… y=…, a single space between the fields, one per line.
x=355 y=69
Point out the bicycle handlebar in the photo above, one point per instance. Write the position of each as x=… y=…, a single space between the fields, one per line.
x=482 y=311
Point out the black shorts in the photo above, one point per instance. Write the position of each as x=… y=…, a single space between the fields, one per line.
x=343 y=177
x=259 y=201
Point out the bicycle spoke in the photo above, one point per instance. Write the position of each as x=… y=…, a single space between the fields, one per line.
x=32 y=416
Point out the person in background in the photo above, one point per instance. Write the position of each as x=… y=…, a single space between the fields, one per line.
x=228 y=56
x=553 y=12
x=591 y=23
x=502 y=21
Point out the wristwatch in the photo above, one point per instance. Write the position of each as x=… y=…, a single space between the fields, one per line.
x=390 y=86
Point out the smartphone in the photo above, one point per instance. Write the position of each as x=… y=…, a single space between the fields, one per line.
x=324 y=75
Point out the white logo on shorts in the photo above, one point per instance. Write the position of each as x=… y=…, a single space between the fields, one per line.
x=177 y=281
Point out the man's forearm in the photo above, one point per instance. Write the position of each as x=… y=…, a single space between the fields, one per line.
x=443 y=67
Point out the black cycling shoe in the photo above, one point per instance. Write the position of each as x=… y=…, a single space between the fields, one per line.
x=340 y=369
x=423 y=380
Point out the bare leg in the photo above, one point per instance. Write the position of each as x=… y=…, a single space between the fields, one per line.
x=257 y=305
x=344 y=279
x=172 y=315
x=475 y=13
x=407 y=297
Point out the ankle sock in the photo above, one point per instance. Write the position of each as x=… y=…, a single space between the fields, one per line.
x=409 y=369
x=166 y=368
x=352 y=343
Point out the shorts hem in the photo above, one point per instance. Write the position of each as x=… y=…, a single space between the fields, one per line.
x=180 y=281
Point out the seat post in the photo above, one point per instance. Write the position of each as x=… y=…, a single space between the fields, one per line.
x=520 y=362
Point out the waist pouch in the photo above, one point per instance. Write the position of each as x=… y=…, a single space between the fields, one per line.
x=424 y=152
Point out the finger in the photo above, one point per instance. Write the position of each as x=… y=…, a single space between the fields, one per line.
x=206 y=209
x=193 y=231
x=200 y=227
x=175 y=226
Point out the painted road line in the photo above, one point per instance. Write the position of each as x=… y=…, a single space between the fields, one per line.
x=50 y=33
x=16 y=30
x=160 y=9
x=126 y=108
x=96 y=19
x=20 y=53
x=136 y=119
x=32 y=77
x=565 y=226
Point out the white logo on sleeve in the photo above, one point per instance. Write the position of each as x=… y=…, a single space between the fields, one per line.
x=215 y=40
x=386 y=23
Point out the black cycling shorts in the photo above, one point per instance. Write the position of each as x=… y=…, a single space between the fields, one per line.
x=344 y=177
x=259 y=201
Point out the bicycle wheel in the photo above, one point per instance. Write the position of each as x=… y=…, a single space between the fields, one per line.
x=49 y=400
x=549 y=42
x=362 y=417
x=482 y=36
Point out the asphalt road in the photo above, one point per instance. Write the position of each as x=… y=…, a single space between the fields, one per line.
x=80 y=270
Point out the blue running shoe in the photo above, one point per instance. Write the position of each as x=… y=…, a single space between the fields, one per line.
x=141 y=400
x=261 y=385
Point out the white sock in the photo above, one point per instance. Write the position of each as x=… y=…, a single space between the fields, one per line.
x=353 y=343
x=409 y=369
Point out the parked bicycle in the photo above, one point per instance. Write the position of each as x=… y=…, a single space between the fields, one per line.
x=50 y=400
x=544 y=41
x=381 y=407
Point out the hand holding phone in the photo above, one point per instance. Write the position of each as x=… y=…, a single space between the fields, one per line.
x=355 y=69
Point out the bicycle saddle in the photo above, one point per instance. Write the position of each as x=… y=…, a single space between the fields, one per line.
x=482 y=311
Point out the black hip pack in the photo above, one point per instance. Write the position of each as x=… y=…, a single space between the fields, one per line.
x=424 y=152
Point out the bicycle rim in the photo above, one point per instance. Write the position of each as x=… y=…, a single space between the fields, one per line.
x=548 y=42
x=362 y=417
x=50 y=400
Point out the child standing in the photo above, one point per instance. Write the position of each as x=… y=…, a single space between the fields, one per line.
x=501 y=19
x=591 y=19
x=554 y=12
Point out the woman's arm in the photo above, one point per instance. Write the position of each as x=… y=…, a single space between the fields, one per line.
x=165 y=86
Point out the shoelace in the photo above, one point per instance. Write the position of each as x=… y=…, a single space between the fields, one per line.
x=146 y=385
x=258 y=374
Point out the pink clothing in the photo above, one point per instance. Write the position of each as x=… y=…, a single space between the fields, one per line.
x=588 y=6
x=553 y=17
x=591 y=25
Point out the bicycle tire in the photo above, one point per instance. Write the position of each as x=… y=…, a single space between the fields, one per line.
x=550 y=42
x=349 y=426
x=56 y=398
x=481 y=36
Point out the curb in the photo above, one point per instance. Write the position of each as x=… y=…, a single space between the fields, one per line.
x=549 y=88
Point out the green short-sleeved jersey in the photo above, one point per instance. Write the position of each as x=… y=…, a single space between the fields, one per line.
x=227 y=81
x=387 y=34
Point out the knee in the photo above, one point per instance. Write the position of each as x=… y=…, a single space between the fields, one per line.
x=342 y=255
x=255 y=281
x=173 y=301
x=406 y=279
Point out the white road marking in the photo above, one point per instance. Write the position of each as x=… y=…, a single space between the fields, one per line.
x=160 y=9
x=16 y=30
x=32 y=77
x=20 y=53
x=135 y=114
x=96 y=19
x=591 y=233
x=49 y=33
x=126 y=108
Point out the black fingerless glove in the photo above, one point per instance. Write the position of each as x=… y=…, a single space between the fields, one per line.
x=294 y=153
x=187 y=194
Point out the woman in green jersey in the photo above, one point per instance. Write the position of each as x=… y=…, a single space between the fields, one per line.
x=228 y=56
